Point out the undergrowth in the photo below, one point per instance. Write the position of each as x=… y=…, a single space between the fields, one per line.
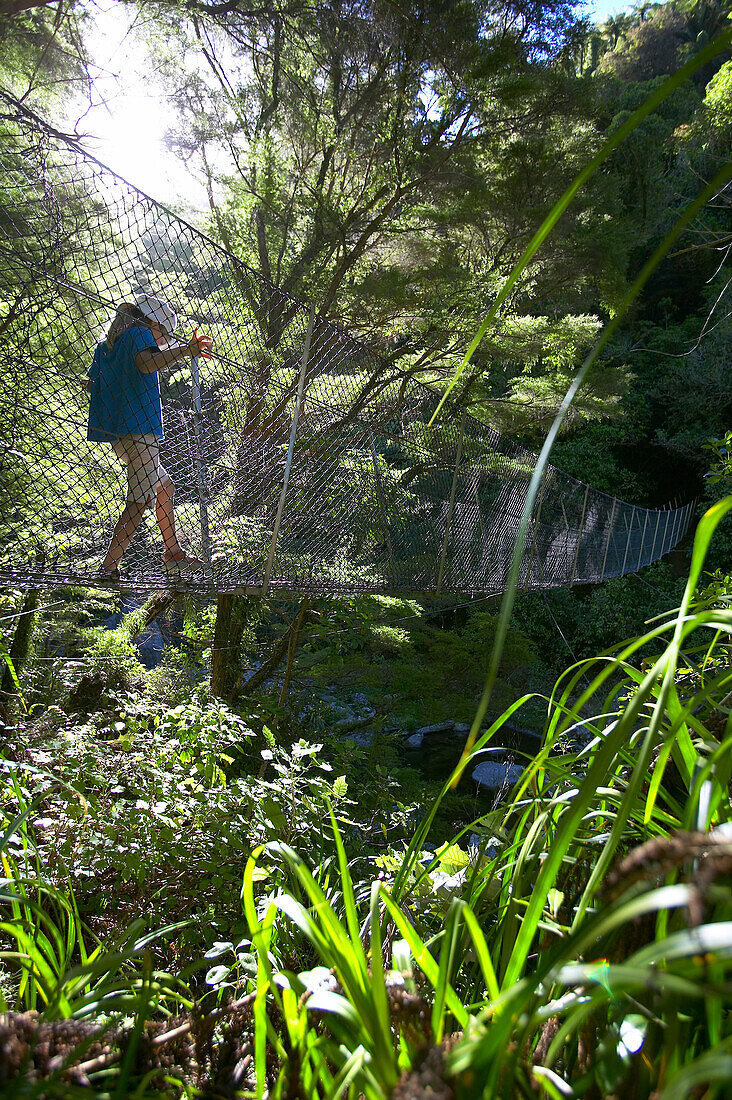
x=188 y=905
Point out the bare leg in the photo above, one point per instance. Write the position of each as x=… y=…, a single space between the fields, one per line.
x=174 y=552
x=166 y=517
x=125 y=528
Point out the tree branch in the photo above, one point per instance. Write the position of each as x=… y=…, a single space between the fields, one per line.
x=15 y=7
x=277 y=655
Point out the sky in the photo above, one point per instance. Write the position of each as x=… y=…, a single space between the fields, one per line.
x=599 y=10
x=132 y=112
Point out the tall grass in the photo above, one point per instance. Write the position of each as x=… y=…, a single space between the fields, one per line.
x=55 y=967
x=565 y=954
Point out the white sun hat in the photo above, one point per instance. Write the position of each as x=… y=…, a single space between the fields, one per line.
x=158 y=310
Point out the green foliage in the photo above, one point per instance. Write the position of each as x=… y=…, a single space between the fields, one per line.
x=651 y=47
x=113 y=656
x=157 y=795
x=591 y=620
x=534 y=962
x=554 y=948
x=51 y=962
x=419 y=662
x=720 y=470
x=42 y=53
x=595 y=455
x=718 y=106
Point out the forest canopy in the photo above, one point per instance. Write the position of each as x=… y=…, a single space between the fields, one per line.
x=391 y=161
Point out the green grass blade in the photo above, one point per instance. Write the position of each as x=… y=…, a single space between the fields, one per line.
x=122 y=1086
x=424 y=959
x=348 y=1072
x=384 y=1049
x=712 y=1068
x=711 y=939
x=449 y=946
x=349 y=899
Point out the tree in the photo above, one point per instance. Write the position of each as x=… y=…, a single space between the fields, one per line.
x=669 y=352
x=344 y=132
x=42 y=56
x=390 y=163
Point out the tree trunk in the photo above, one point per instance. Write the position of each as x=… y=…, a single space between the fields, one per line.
x=277 y=656
x=231 y=618
x=294 y=633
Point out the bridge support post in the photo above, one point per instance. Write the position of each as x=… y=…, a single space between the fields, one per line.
x=674 y=525
x=686 y=517
x=664 y=547
x=290 y=450
x=579 y=536
x=537 y=521
x=643 y=539
x=681 y=529
x=480 y=514
x=609 y=536
x=566 y=527
x=201 y=471
x=382 y=506
x=627 y=541
x=655 y=536
x=451 y=507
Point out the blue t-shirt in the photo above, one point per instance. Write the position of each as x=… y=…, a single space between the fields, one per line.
x=123 y=400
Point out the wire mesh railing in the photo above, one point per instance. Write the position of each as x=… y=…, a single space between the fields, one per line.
x=301 y=459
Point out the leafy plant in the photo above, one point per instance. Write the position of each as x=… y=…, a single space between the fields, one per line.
x=597 y=897
x=52 y=963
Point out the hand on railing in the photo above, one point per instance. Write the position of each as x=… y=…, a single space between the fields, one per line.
x=200 y=346
x=77 y=379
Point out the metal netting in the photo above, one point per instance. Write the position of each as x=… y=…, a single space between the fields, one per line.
x=302 y=460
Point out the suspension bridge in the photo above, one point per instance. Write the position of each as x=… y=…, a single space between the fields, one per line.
x=302 y=459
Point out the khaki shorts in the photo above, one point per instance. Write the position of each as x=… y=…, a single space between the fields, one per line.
x=141 y=455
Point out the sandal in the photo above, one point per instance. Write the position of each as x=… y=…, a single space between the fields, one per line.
x=107 y=574
x=181 y=561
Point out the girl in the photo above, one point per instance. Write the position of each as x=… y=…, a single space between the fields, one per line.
x=124 y=410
